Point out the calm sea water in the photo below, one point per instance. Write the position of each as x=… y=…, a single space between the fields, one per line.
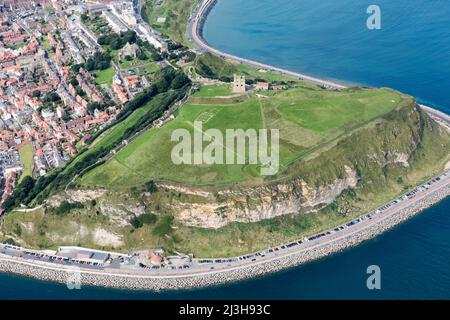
x=328 y=38
x=414 y=260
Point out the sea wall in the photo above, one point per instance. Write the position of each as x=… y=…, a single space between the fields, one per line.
x=135 y=282
x=209 y=5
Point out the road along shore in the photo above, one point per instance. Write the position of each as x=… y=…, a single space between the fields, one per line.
x=336 y=243
x=196 y=35
x=365 y=231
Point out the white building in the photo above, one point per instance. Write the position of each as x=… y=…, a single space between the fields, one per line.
x=150 y=37
x=125 y=11
x=116 y=25
x=47 y=114
x=60 y=112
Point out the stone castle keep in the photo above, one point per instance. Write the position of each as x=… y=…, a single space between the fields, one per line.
x=238 y=84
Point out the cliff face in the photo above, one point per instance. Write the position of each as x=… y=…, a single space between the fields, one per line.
x=383 y=152
x=362 y=161
x=253 y=205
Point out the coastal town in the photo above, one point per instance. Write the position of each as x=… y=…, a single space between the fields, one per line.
x=67 y=68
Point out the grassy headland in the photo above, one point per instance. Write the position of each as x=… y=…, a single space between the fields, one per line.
x=382 y=135
x=176 y=14
x=405 y=129
x=308 y=120
x=366 y=129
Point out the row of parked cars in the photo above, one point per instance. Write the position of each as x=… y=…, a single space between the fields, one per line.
x=143 y=266
x=207 y=261
x=369 y=216
x=23 y=253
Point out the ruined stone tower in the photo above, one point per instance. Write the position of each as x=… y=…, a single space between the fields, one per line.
x=239 y=83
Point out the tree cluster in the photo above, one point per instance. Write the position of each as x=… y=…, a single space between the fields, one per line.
x=99 y=61
x=170 y=86
x=117 y=41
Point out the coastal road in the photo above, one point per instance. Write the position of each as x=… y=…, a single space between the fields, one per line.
x=195 y=33
x=377 y=222
x=440 y=117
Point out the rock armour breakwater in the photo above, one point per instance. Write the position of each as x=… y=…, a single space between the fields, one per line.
x=135 y=282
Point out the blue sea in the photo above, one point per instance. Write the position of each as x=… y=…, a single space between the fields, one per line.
x=329 y=39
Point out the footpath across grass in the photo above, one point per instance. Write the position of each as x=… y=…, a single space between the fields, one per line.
x=307 y=120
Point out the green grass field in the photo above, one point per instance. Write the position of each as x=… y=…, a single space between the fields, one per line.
x=107 y=138
x=26 y=158
x=338 y=125
x=214 y=91
x=176 y=12
x=148 y=70
x=105 y=76
x=46 y=43
x=308 y=120
x=47 y=46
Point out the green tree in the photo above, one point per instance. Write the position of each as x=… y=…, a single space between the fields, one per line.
x=151 y=187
